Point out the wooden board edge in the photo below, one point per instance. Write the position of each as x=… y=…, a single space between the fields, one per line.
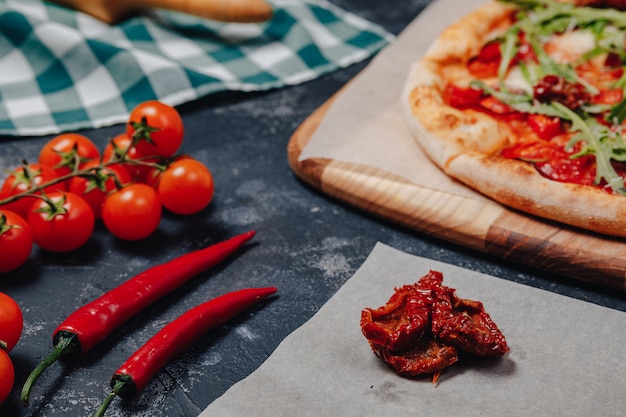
x=494 y=234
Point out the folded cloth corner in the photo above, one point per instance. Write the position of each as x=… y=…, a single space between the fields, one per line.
x=63 y=70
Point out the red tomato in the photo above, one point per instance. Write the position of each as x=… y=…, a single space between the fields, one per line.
x=495 y=106
x=16 y=241
x=156 y=129
x=11 y=321
x=68 y=151
x=546 y=127
x=132 y=213
x=486 y=63
x=456 y=96
x=23 y=179
x=186 y=186
x=538 y=151
x=94 y=188
x=65 y=225
x=123 y=143
x=7 y=375
x=610 y=97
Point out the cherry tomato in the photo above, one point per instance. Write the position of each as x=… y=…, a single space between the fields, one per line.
x=456 y=96
x=7 y=375
x=16 y=241
x=23 y=179
x=186 y=186
x=122 y=143
x=63 y=224
x=94 y=188
x=494 y=105
x=132 y=213
x=156 y=129
x=68 y=151
x=486 y=63
x=610 y=97
x=11 y=321
x=546 y=127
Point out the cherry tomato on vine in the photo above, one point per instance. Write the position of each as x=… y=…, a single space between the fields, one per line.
x=156 y=128
x=132 y=213
x=16 y=241
x=7 y=375
x=25 y=178
x=62 y=224
x=122 y=143
x=93 y=188
x=11 y=321
x=186 y=186
x=68 y=151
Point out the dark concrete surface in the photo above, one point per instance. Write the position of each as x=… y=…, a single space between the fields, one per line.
x=307 y=245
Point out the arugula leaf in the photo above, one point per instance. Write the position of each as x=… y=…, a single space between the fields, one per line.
x=599 y=141
x=618 y=113
x=538 y=19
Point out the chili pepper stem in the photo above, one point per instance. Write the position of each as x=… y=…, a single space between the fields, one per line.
x=109 y=399
x=64 y=346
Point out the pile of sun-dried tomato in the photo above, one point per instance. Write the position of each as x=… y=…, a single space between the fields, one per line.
x=424 y=326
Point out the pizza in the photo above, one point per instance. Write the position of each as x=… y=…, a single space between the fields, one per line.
x=523 y=101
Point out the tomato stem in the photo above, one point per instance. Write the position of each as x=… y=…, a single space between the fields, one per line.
x=32 y=192
x=65 y=345
x=143 y=131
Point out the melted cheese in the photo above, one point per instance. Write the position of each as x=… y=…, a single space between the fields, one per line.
x=515 y=81
x=570 y=46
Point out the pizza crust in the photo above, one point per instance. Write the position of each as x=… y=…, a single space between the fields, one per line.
x=465 y=144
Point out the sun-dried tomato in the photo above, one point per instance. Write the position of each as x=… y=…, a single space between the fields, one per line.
x=556 y=88
x=424 y=325
x=401 y=322
x=466 y=325
x=427 y=356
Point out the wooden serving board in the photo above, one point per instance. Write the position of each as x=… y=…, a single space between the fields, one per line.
x=474 y=223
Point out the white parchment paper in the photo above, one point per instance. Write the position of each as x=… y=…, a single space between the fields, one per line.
x=567 y=356
x=365 y=123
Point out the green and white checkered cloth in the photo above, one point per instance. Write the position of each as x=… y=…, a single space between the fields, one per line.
x=63 y=70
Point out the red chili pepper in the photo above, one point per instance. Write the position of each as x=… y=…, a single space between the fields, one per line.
x=177 y=336
x=92 y=323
